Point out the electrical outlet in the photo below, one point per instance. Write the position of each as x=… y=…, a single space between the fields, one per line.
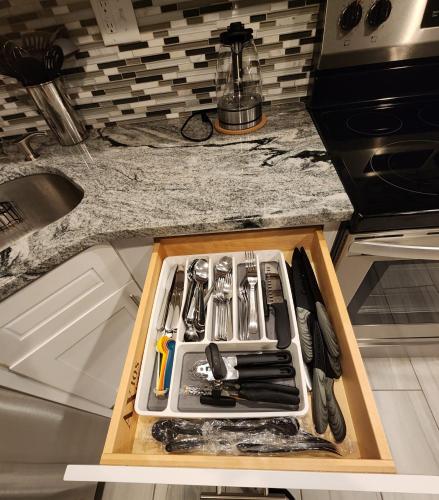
x=116 y=20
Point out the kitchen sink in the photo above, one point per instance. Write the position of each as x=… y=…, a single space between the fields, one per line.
x=32 y=202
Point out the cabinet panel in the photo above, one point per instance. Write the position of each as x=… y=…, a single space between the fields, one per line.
x=86 y=357
x=50 y=304
x=53 y=306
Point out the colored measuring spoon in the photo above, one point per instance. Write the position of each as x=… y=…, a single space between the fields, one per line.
x=163 y=350
x=169 y=364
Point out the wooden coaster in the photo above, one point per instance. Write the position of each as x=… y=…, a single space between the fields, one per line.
x=222 y=130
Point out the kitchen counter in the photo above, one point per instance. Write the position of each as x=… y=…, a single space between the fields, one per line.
x=279 y=176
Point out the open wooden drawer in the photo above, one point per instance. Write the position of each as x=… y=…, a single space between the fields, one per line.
x=125 y=444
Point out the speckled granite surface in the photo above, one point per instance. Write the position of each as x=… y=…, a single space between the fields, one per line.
x=277 y=177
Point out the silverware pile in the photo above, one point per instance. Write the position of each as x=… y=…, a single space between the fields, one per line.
x=194 y=312
x=166 y=330
x=248 y=311
x=222 y=303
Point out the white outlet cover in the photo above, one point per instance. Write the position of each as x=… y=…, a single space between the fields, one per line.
x=116 y=20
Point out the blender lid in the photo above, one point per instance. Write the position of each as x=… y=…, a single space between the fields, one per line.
x=236 y=33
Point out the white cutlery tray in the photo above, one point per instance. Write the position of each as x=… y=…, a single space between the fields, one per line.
x=177 y=404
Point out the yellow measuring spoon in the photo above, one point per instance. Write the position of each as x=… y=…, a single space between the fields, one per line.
x=162 y=348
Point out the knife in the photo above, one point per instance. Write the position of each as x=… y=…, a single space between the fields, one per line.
x=329 y=335
x=164 y=307
x=268 y=311
x=304 y=306
x=177 y=297
x=275 y=300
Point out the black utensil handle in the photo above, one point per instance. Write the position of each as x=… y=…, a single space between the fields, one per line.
x=268 y=372
x=305 y=337
x=294 y=446
x=282 y=325
x=264 y=358
x=215 y=361
x=267 y=396
x=328 y=333
x=319 y=403
x=284 y=426
x=184 y=445
x=261 y=448
x=336 y=420
x=287 y=389
x=333 y=367
x=264 y=299
x=223 y=401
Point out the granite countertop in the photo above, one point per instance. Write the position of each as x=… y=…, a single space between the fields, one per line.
x=279 y=176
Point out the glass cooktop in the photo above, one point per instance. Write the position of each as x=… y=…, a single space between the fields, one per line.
x=387 y=156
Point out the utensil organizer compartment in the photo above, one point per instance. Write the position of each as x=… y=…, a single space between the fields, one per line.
x=176 y=404
x=128 y=440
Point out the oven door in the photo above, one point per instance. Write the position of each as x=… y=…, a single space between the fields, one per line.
x=391 y=287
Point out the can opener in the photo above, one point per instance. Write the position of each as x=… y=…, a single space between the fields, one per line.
x=256 y=366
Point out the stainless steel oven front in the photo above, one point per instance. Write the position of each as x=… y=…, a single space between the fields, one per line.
x=390 y=282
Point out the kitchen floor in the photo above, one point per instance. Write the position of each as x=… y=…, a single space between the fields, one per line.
x=406 y=391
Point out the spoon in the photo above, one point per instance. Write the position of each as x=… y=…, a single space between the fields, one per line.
x=191 y=288
x=201 y=276
x=190 y=334
x=223 y=267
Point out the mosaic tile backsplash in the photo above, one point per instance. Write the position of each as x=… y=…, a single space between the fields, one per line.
x=171 y=71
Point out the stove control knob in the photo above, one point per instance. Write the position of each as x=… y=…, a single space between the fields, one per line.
x=379 y=12
x=351 y=16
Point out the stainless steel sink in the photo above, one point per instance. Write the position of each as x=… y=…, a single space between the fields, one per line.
x=32 y=202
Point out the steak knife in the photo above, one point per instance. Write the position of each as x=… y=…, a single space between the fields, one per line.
x=275 y=299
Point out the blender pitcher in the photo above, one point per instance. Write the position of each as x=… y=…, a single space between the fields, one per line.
x=238 y=82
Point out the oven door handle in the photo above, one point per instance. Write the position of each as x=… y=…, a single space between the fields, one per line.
x=392 y=251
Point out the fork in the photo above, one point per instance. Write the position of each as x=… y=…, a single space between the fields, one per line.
x=252 y=280
x=218 y=298
x=243 y=300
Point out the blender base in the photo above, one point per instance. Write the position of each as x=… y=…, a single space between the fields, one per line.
x=222 y=130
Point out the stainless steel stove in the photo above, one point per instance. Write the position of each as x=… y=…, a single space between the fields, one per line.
x=375 y=102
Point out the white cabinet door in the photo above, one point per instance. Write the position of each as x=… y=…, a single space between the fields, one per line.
x=86 y=356
x=49 y=305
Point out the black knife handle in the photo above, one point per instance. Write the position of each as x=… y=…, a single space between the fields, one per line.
x=264 y=358
x=287 y=389
x=267 y=396
x=268 y=372
x=282 y=325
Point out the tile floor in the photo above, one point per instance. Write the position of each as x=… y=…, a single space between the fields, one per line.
x=407 y=395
